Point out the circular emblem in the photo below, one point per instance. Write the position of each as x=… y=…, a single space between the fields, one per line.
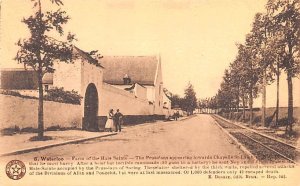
x=15 y=169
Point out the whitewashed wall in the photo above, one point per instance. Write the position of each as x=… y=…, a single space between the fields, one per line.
x=15 y=111
x=140 y=91
x=158 y=92
x=150 y=93
x=68 y=75
x=114 y=98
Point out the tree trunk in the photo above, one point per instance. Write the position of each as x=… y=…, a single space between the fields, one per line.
x=238 y=99
x=40 y=81
x=289 y=126
x=229 y=117
x=277 y=96
x=263 y=109
x=244 y=109
x=251 y=105
x=40 y=108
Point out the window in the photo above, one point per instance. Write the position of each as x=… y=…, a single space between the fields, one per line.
x=46 y=88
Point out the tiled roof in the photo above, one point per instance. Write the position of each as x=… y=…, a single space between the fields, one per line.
x=141 y=69
x=18 y=79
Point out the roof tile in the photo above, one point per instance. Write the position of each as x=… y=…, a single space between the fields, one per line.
x=141 y=69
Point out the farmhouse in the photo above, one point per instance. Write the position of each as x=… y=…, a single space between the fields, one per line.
x=132 y=84
x=142 y=72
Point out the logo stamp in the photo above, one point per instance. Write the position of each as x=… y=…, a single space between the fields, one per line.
x=15 y=169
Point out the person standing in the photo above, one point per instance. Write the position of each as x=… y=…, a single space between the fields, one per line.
x=109 y=122
x=176 y=115
x=118 y=120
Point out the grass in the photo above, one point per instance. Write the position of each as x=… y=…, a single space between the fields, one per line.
x=10 y=131
x=270 y=120
x=37 y=138
x=17 y=130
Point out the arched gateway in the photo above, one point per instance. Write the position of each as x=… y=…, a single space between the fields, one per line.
x=91 y=105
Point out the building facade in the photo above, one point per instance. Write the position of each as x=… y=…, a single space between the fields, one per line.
x=129 y=83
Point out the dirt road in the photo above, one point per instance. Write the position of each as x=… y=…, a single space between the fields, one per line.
x=197 y=135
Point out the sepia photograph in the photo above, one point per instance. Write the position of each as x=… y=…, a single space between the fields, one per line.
x=150 y=92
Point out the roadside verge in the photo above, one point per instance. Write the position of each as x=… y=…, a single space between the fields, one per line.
x=25 y=146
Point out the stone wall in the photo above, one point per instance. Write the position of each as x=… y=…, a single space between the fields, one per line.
x=114 y=98
x=15 y=111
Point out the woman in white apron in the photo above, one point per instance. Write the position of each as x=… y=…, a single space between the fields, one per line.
x=110 y=122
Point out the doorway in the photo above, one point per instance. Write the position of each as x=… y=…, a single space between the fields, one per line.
x=91 y=104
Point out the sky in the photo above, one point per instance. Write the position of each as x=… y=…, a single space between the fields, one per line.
x=196 y=39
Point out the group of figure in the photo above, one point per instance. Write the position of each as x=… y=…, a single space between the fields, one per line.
x=114 y=120
x=176 y=115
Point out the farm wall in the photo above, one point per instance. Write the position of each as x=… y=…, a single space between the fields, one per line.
x=114 y=98
x=15 y=111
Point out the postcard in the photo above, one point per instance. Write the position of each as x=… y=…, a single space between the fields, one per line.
x=149 y=92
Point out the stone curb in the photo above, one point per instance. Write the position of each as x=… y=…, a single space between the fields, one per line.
x=259 y=133
x=240 y=146
x=26 y=150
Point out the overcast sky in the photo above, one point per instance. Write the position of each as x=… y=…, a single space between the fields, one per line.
x=195 y=38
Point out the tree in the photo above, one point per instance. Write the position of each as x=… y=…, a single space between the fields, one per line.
x=190 y=100
x=249 y=70
x=278 y=53
x=272 y=45
x=176 y=101
x=275 y=52
x=40 y=51
x=203 y=105
x=286 y=14
x=241 y=79
x=236 y=82
x=227 y=91
x=213 y=104
x=261 y=35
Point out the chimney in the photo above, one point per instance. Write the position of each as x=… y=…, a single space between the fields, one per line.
x=126 y=80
